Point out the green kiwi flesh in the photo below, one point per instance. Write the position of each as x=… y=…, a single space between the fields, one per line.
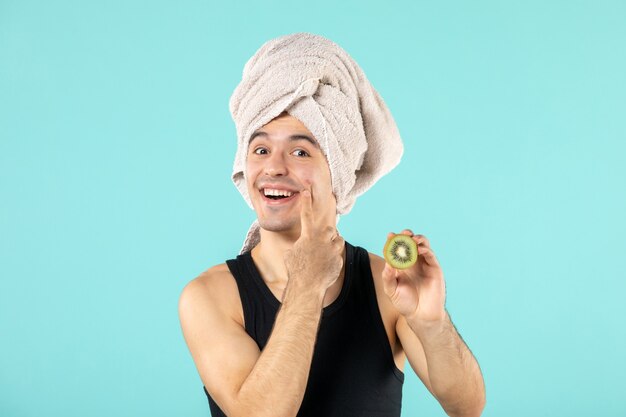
x=400 y=251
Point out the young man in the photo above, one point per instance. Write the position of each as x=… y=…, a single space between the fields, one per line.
x=304 y=323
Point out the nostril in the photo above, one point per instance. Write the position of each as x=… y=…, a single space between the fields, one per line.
x=275 y=169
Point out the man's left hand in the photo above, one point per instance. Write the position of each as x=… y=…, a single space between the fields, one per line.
x=418 y=292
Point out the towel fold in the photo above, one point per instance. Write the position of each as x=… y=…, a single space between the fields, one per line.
x=316 y=81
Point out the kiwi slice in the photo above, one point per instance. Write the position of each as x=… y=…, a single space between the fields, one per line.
x=400 y=251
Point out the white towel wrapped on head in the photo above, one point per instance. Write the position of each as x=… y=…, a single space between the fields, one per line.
x=316 y=81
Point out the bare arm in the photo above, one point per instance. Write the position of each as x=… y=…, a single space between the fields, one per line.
x=434 y=348
x=278 y=380
x=242 y=380
x=453 y=372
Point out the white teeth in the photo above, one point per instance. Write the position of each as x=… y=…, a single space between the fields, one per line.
x=269 y=191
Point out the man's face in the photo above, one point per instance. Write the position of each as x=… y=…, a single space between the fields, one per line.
x=281 y=158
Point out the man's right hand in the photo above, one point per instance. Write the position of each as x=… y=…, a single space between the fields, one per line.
x=315 y=261
x=234 y=370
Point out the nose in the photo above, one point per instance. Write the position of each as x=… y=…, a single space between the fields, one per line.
x=275 y=165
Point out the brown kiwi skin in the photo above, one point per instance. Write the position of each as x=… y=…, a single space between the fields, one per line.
x=391 y=238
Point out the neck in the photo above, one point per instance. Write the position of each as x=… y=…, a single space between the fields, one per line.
x=268 y=256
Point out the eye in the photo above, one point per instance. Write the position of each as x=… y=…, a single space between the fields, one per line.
x=256 y=151
x=301 y=152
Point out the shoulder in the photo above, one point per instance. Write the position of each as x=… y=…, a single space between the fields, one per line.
x=377 y=264
x=214 y=290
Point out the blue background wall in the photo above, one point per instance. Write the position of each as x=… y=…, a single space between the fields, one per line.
x=116 y=147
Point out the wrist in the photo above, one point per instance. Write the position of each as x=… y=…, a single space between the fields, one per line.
x=303 y=290
x=430 y=325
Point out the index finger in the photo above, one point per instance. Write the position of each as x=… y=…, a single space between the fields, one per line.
x=306 y=209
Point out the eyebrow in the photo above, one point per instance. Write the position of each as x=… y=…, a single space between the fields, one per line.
x=291 y=138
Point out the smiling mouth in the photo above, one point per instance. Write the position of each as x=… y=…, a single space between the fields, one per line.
x=277 y=199
x=275 y=195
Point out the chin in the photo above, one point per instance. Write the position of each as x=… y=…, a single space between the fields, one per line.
x=279 y=225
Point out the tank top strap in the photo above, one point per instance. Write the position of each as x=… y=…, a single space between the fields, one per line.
x=255 y=313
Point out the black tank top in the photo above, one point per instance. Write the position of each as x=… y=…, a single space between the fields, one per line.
x=352 y=373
